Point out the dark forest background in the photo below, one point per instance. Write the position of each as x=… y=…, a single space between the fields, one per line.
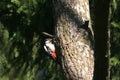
x=21 y=42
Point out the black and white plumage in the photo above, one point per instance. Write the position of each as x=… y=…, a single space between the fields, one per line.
x=50 y=48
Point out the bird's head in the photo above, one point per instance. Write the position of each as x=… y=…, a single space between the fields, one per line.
x=48 y=41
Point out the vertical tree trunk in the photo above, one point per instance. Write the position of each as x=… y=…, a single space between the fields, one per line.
x=73 y=29
x=102 y=39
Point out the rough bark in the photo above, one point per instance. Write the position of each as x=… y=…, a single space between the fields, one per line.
x=73 y=29
x=102 y=40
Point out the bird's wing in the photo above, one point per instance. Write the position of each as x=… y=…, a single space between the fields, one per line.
x=47 y=49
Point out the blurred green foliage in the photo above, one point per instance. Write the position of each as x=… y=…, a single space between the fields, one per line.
x=21 y=53
x=115 y=40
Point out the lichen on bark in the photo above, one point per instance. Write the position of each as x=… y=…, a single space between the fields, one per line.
x=75 y=40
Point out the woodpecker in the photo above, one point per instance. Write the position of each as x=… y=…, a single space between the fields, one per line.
x=50 y=48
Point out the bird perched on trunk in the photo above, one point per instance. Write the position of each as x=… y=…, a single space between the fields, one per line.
x=50 y=48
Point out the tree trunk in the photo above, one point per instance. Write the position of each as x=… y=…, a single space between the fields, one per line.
x=73 y=29
x=102 y=40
